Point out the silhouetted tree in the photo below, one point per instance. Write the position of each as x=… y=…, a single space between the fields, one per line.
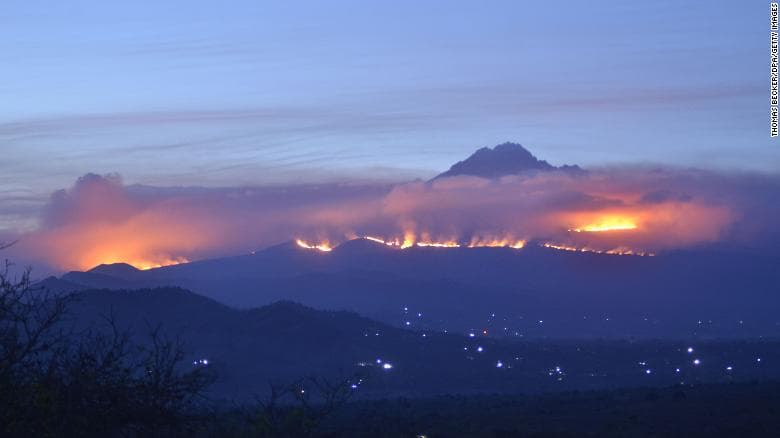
x=55 y=381
x=298 y=409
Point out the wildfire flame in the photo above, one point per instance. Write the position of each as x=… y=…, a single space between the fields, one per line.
x=99 y=220
x=609 y=223
x=108 y=248
x=325 y=247
x=410 y=240
x=614 y=251
x=439 y=244
x=398 y=243
x=95 y=259
x=146 y=264
x=378 y=240
x=482 y=243
x=496 y=243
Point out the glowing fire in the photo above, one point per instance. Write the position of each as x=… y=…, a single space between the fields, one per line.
x=100 y=245
x=325 y=247
x=99 y=221
x=146 y=264
x=613 y=251
x=481 y=243
x=496 y=243
x=398 y=243
x=411 y=240
x=143 y=264
x=625 y=230
x=378 y=240
x=609 y=223
x=439 y=244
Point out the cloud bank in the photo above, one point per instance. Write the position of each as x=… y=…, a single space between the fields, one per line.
x=101 y=220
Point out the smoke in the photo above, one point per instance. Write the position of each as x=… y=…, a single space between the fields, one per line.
x=550 y=206
x=101 y=220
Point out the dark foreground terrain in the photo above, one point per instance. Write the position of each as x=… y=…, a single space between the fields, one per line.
x=325 y=369
x=284 y=341
x=168 y=362
x=719 y=410
x=732 y=410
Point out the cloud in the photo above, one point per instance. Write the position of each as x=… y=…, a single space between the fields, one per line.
x=661 y=196
x=549 y=206
x=101 y=220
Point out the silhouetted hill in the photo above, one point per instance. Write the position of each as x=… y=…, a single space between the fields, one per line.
x=722 y=410
x=284 y=341
x=91 y=279
x=504 y=159
x=686 y=293
x=119 y=270
x=59 y=285
x=359 y=247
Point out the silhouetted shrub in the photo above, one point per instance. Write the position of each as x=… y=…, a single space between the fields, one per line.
x=55 y=381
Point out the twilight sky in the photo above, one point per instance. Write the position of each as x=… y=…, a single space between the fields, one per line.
x=247 y=92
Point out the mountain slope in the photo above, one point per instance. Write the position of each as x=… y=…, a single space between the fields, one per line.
x=285 y=341
x=504 y=159
x=575 y=294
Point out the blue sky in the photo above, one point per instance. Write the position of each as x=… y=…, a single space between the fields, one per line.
x=248 y=92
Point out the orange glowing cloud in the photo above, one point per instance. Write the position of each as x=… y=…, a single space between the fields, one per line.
x=100 y=220
x=96 y=222
x=145 y=241
x=607 y=223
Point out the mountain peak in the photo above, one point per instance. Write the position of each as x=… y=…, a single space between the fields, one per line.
x=114 y=269
x=504 y=159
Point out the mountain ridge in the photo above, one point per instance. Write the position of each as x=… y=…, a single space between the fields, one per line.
x=456 y=287
x=284 y=341
x=504 y=159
